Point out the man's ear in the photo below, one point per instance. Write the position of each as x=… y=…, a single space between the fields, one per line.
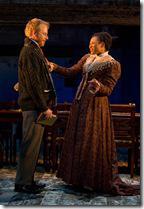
x=33 y=34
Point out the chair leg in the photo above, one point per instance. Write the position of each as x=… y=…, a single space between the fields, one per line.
x=46 y=152
x=1 y=153
x=137 y=158
x=132 y=162
x=53 y=152
x=10 y=149
x=14 y=149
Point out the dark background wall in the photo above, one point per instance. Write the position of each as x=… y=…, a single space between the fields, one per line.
x=69 y=37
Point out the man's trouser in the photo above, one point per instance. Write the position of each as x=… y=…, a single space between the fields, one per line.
x=30 y=146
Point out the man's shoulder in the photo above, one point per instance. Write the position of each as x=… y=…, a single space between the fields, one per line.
x=28 y=51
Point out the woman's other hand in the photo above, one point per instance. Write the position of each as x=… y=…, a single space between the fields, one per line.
x=94 y=86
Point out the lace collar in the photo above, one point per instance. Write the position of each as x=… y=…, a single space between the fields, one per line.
x=94 y=60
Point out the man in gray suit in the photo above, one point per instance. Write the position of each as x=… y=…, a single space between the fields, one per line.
x=36 y=95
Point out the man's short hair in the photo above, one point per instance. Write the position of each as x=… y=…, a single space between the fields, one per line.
x=34 y=24
x=104 y=37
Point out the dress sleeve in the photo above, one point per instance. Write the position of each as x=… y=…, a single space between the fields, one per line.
x=72 y=71
x=108 y=82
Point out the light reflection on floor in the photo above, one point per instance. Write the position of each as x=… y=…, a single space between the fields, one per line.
x=57 y=193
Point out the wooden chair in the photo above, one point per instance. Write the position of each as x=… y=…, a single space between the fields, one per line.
x=53 y=141
x=9 y=119
x=123 y=116
x=63 y=106
x=8 y=105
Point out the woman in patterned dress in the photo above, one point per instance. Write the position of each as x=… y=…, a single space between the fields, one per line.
x=88 y=157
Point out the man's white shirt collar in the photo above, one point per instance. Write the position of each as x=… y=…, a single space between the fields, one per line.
x=35 y=42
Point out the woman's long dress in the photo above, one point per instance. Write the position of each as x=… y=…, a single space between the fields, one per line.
x=89 y=153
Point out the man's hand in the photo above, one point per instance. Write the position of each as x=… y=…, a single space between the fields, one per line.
x=16 y=86
x=49 y=113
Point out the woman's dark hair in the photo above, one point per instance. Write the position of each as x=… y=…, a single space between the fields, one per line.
x=104 y=37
